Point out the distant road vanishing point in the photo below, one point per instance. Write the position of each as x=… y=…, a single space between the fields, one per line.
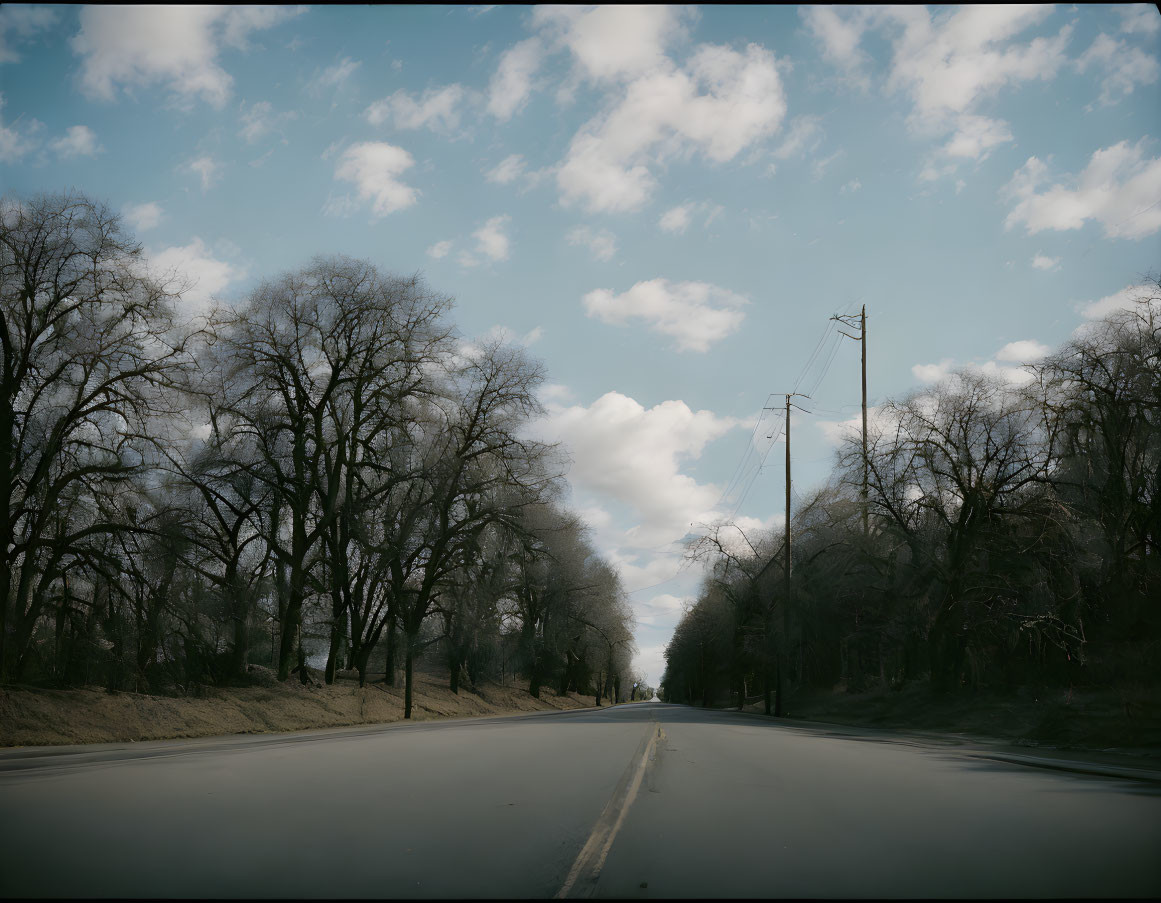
x=642 y=800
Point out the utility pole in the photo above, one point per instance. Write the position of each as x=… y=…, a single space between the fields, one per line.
x=847 y=320
x=780 y=696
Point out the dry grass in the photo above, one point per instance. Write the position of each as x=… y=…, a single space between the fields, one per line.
x=34 y=717
x=1080 y=719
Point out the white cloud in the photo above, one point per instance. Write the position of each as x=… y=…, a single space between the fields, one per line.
x=603 y=244
x=1024 y=351
x=1122 y=300
x=22 y=24
x=511 y=85
x=19 y=138
x=375 y=167
x=627 y=455
x=436 y=109
x=803 y=136
x=143 y=216
x=1139 y=18
x=491 y=239
x=933 y=373
x=1124 y=67
x=834 y=431
x=195 y=265
x=439 y=249
x=334 y=76
x=510 y=337
x=696 y=314
x=508 y=170
x=819 y=166
x=207 y=169
x=1042 y=262
x=555 y=393
x=259 y=120
x=1007 y=364
x=613 y=42
x=677 y=219
x=949 y=65
x=177 y=46
x=975 y=136
x=719 y=104
x=948 y=61
x=839 y=31
x=1119 y=188
x=851 y=187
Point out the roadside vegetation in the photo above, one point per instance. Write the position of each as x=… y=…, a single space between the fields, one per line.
x=322 y=478
x=1011 y=551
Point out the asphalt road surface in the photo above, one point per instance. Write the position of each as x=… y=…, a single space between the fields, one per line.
x=645 y=800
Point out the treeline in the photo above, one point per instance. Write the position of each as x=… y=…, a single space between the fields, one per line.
x=323 y=468
x=1013 y=538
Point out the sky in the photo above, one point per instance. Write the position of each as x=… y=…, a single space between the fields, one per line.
x=664 y=204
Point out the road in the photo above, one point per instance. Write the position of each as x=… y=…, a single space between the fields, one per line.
x=645 y=800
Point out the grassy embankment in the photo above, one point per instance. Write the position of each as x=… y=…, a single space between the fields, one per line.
x=33 y=717
x=1072 y=719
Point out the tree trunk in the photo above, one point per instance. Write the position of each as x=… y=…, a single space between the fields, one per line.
x=408 y=669
x=389 y=676
x=779 y=688
x=338 y=628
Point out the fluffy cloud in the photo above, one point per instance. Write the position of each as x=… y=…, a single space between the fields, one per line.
x=508 y=170
x=259 y=120
x=511 y=337
x=933 y=373
x=436 y=109
x=206 y=168
x=143 y=216
x=1006 y=364
x=835 y=431
x=1025 y=351
x=511 y=86
x=1041 y=262
x=719 y=104
x=627 y=455
x=838 y=32
x=195 y=267
x=19 y=138
x=491 y=239
x=439 y=249
x=603 y=244
x=948 y=63
x=803 y=136
x=1140 y=18
x=1125 y=299
x=22 y=23
x=177 y=46
x=1124 y=67
x=374 y=167
x=696 y=314
x=334 y=76
x=975 y=136
x=1116 y=189
x=613 y=42
x=677 y=219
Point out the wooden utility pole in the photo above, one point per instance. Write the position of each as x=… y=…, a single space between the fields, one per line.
x=780 y=694
x=846 y=320
x=786 y=552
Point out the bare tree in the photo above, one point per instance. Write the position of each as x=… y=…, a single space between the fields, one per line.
x=89 y=344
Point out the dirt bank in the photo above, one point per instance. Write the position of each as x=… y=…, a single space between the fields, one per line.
x=33 y=717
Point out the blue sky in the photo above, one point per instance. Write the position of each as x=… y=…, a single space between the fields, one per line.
x=664 y=204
